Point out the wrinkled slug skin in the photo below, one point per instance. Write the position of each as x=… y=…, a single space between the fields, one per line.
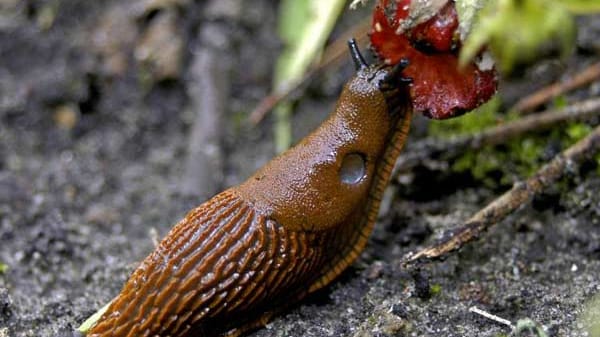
x=289 y=230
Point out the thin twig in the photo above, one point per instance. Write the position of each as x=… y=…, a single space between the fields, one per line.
x=543 y=95
x=207 y=90
x=425 y=150
x=492 y=317
x=521 y=193
x=333 y=54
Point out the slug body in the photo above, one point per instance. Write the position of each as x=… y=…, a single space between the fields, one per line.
x=287 y=231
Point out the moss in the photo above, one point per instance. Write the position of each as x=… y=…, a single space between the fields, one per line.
x=480 y=118
x=516 y=158
x=436 y=289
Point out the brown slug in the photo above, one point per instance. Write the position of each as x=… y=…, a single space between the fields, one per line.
x=290 y=229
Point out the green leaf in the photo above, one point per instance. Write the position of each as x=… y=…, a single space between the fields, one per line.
x=467 y=13
x=515 y=30
x=87 y=325
x=304 y=27
x=582 y=6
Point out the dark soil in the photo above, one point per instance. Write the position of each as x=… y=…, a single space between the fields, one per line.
x=94 y=144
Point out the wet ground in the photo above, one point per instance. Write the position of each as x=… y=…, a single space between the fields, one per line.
x=94 y=161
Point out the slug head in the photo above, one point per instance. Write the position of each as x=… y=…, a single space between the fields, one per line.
x=325 y=180
x=390 y=81
x=372 y=89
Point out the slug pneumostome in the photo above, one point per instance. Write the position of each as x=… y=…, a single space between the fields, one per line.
x=287 y=231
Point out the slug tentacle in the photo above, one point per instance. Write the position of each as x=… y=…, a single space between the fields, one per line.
x=394 y=78
x=290 y=229
x=357 y=58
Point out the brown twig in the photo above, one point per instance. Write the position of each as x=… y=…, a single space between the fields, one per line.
x=521 y=193
x=207 y=90
x=333 y=54
x=425 y=150
x=543 y=95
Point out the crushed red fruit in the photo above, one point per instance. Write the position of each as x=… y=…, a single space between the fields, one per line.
x=440 y=89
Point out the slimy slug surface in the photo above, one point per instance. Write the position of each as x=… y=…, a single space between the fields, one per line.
x=290 y=229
